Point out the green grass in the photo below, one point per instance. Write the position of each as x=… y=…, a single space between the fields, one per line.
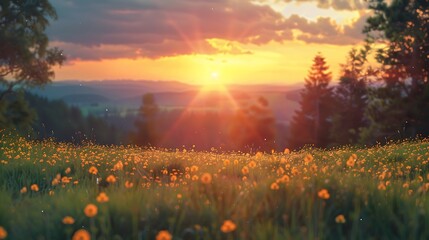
x=382 y=192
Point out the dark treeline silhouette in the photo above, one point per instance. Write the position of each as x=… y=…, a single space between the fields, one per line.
x=40 y=118
x=251 y=127
x=372 y=105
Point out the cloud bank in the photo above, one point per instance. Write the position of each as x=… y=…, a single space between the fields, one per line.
x=108 y=29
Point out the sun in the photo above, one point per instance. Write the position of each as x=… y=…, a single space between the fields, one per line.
x=214 y=76
x=213 y=82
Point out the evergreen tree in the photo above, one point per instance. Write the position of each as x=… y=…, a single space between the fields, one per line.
x=403 y=28
x=312 y=122
x=351 y=99
x=253 y=127
x=146 y=124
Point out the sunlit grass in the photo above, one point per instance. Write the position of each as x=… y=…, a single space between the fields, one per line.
x=53 y=190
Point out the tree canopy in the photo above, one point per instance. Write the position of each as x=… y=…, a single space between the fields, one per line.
x=25 y=58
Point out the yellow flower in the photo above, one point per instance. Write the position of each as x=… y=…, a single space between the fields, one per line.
x=351 y=161
x=226 y=162
x=3 y=233
x=90 y=210
x=68 y=220
x=274 y=186
x=34 y=187
x=340 y=219
x=68 y=170
x=228 y=226
x=323 y=194
x=93 y=170
x=102 y=197
x=206 y=178
x=252 y=164
x=245 y=170
x=65 y=179
x=128 y=184
x=286 y=151
x=194 y=168
x=381 y=186
x=118 y=166
x=308 y=158
x=111 y=179
x=81 y=234
x=23 y=190
x=163 y=235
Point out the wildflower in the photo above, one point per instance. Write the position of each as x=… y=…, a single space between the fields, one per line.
x=68 y=220
x=381 y=186
x=3 y=233
x=194 y=168
x=68 y=170
x=93 y=170
x=81 y=234
x=65 y=179
x=274 y=186
x=351 y=161
x=308 y=158
x=179 y=196
x=90 y=210
x=226 y=162
x=111 y=179
x=55 y=181
x=163 y=235
x=340 y=219
x=284 y=179
x=102 y=197
x=23 y=190
x=173 y=178
x=206 y=178
x=286 y=151
x=245 y=170
x=194 y=178
x=323 y=194
x=118 y=166
x=228 y=226
x=252 y=164
x=259 y=154
x=34 y=188
x=128 y=184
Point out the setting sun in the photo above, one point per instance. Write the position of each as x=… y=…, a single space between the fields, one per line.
x=214 y=76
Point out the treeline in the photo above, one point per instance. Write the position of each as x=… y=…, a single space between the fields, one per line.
x=40 y=118
x=251 y=127
x=372 y=104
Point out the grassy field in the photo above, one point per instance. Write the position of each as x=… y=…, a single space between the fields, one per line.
x=53 y=190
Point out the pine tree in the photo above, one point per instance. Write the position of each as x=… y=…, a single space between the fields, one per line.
x=351 y=99
x=312 y=122
x=146 y=124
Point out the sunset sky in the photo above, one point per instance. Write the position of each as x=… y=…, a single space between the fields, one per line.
x=234 y=41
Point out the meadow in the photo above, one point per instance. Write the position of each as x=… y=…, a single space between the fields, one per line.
x=51 y=190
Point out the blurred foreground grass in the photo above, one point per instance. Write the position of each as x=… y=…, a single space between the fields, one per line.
x=52 y=190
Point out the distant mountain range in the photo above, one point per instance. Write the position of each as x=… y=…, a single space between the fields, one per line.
x=125 y=95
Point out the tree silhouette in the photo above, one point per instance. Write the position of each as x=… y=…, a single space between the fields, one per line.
x=25 y=59
x=146 y=124
x=402 y=26
x=351 y=99
x=311 y=123
x=253 y=127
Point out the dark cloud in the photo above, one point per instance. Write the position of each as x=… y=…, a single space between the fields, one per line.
x=337 y=4
x=159 y=28
x=162 y=28
x=325 y=30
